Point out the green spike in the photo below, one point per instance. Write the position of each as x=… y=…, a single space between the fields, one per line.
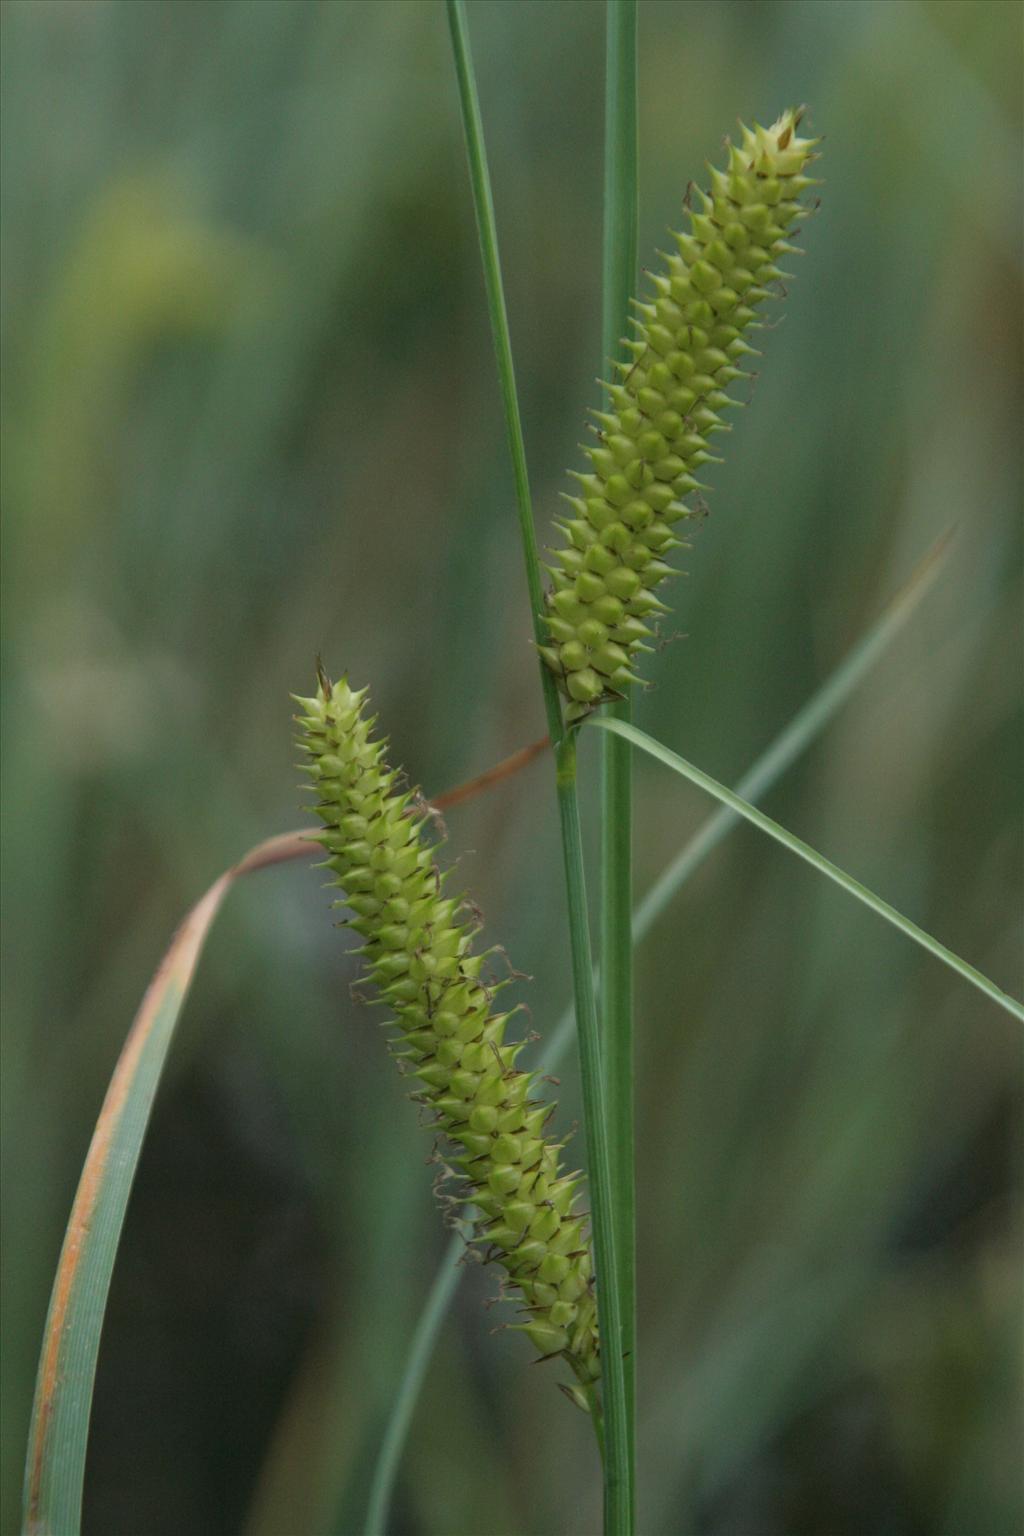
x=665 y=404
x=451 y=1040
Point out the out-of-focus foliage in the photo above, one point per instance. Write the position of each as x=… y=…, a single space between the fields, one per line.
x=249 y=413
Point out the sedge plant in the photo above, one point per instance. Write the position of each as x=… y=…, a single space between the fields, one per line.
x=568 y=1270
x=597 y=616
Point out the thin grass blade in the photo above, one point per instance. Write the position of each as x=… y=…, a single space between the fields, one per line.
x=812 y=857
x=487 y=232
x=59 y=1426
x=805 y=727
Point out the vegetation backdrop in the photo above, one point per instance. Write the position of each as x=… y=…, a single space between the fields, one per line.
x=250 y=413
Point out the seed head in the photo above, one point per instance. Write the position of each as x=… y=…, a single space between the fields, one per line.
x=665 y=405
x=420 y=953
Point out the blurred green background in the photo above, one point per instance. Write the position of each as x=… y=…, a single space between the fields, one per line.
x=250 y=413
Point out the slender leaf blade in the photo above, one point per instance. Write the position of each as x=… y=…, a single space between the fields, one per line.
x=810 y=856
x=59 y=1427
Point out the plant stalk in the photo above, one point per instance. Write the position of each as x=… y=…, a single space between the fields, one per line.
x=487 y=231
x=618 y=1480
x=619 y=248
x=616 y=1460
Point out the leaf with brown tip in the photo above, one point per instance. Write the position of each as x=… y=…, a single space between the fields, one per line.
x=67 y=1364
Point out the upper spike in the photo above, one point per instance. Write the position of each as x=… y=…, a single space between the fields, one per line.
x=665 y=402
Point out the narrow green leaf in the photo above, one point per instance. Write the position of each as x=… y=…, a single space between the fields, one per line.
x=418 y=1359
x=810 y=856
x=487 y=232
x=805 y=727
x=59 y=1427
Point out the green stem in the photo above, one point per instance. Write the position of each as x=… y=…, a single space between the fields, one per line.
x=616 y=945
x=618 y=1482
x=483 y=203
x=616 y=1461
